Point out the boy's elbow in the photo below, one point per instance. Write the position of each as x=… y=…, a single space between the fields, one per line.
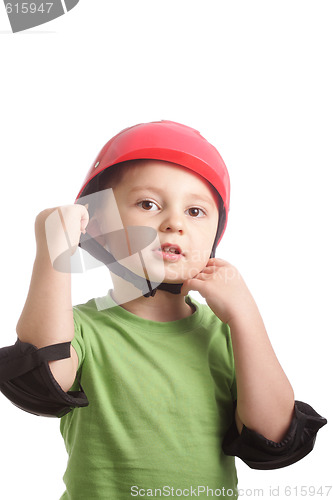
x=64 y=370
x=273 y=426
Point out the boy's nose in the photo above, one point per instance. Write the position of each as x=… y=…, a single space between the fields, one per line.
x=172 y=223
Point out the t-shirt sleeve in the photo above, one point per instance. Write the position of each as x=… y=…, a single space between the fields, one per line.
x=233 y=389
x=233 y=385
x=78 y=342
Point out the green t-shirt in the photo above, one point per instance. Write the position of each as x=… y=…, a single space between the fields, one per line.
x=161 y=399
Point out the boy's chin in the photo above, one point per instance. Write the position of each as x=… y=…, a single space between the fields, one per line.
x=165 y=274
x=180 y=277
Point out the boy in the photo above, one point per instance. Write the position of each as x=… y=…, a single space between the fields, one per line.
x=160 y=370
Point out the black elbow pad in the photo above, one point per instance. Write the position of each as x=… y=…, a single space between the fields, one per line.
x=261 y=453
x=27 y=381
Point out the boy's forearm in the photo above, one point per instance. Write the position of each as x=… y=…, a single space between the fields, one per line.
x=47 y=316
x=265 y=398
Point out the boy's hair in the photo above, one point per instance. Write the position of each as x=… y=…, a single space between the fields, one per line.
x=112 y=176
x=109 y=178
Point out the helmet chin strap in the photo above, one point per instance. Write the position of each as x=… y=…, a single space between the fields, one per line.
x=95 y=249
x=168 y=287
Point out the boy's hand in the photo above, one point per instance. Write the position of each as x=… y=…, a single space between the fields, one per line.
x=223 y=288
x=58 y=230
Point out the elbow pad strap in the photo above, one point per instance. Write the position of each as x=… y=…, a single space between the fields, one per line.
x=27 y=381
x=261 y=453
x=23 y=357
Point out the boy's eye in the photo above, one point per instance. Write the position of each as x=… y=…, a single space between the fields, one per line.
x=148 y=205
x=195 y=212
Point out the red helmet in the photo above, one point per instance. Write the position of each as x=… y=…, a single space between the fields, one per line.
x=172 y=142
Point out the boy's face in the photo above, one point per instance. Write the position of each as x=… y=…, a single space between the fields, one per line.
x=179 y=204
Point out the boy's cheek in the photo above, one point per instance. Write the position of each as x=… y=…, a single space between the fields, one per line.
x=196 y=261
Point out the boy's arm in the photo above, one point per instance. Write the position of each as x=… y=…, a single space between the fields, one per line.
x=265 y=398
x=270 y=429
x=47 y=316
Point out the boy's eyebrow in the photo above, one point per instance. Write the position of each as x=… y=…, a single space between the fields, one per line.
x=200 y=197
x=146 y=188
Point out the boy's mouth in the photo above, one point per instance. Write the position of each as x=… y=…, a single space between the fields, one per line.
x=170 y=248
x=169 y=251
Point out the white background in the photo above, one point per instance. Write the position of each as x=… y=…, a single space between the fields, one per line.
x=256 y=79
